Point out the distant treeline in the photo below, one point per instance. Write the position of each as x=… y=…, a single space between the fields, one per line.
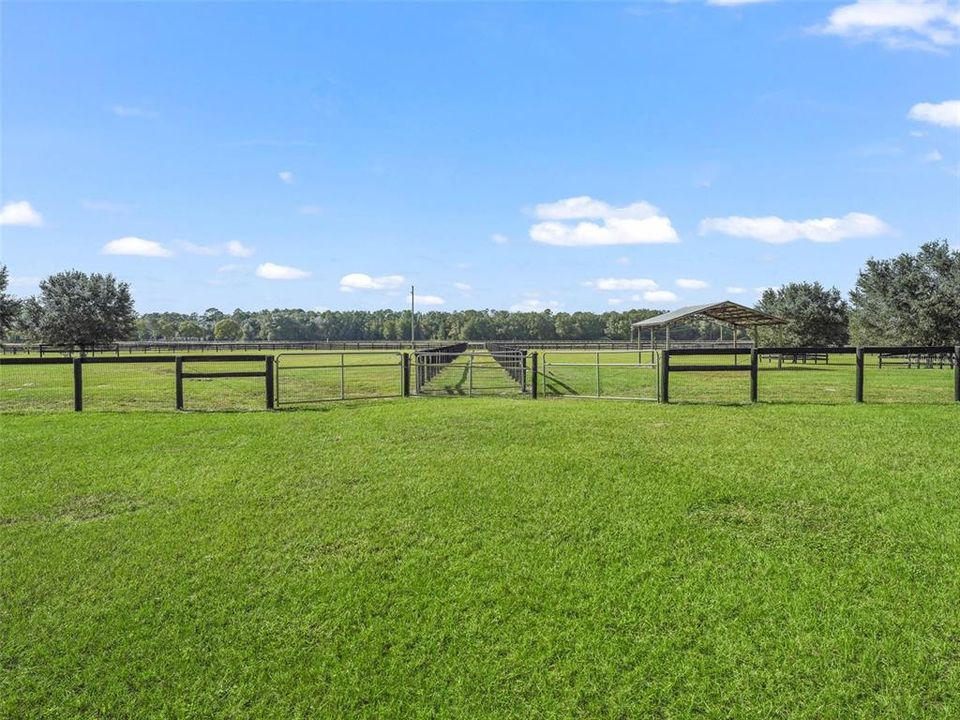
x=286 y=324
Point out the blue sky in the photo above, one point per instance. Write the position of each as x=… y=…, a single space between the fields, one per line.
x=571 y=156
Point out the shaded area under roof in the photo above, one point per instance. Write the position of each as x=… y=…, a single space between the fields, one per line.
x=725 y=311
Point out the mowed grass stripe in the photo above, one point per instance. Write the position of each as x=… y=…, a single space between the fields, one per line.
x=494 y=558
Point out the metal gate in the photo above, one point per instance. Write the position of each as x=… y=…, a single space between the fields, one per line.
x=305 y=378
x=608 y=374
x=478 y=372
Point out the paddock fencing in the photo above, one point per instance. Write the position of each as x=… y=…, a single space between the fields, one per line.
x=233 y=381
x=600 y=374
x=471 y=373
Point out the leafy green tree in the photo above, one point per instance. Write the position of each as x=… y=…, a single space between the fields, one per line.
x=9 y=305
x=909 y=299
x=79 y=309
x=815 y=315
x=190 y=330
x=227 y=329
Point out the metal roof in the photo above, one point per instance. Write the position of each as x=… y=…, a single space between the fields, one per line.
x=725 y=311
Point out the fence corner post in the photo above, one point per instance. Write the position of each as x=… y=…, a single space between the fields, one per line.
x=179 y=382
x=78 y=384
x=269 y=378
x=754 y=355
x=956 y=373
x=859 y=392
x=534 y=384
x=664 y=376
x=405 y=375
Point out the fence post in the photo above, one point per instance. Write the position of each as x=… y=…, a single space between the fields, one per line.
x=405 y=375
x=859 y=394
x=533 y=380
x=179 y=381
x=664 y=376
x=78 y=384
x=268 y=368
x=956 y=373
x=753 y=374
x=523 y=371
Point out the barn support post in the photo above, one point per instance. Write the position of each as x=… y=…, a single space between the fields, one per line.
x=667 y=346
x=534 y=382
x=753 y=374
x=859 y=392
x=665 y=376
x=78 y=384
x=735 y=359
x=268 y=382
x=179 y=382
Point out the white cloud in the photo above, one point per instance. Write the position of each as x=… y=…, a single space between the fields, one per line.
x=691 y=284
x=613 y=284
x=272 y=271
x=535 y=305
x=132 y=111
x=945 y=114
x=194 y=249
x=135 y=246
x=20 y=213
x=639 y=223
x=235 y=248
x=286 y=176
x=776 y=230
x=922 y=24
x=733 y=290
x=362 y=281
x=933 y=156
x=463 y=287
x=499 y=239
x=430 y=300
x=659 y=296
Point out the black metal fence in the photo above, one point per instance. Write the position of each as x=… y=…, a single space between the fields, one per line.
x=811 y=374
x=258 y=381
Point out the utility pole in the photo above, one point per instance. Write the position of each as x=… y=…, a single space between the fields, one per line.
x=413 y=320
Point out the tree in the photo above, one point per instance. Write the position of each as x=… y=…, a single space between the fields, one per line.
x=79 y=309
x=9 y=305
x=909 y=299
x=189 y=330
x=815 y=316
x=227 y=329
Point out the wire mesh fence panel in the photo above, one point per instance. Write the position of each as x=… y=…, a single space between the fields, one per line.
x=908 y=377
x=720 y=376
x=803 y=375
x=472 y=373
x=129 y=386
x=627 y=375
x=44 y=387
x=304 y=378
x=223 y=393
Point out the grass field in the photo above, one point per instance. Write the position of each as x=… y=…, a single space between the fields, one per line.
x=482 y=558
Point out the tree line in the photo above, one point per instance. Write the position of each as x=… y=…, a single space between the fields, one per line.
x=913 y=299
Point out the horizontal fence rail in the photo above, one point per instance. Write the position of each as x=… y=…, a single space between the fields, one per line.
x=255 y=381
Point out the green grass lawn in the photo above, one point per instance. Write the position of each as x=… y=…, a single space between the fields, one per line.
x=482 y=558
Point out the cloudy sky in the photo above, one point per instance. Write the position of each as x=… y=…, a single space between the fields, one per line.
x=560 y=156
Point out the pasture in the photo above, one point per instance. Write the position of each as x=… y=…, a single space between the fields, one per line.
x=482 y=558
